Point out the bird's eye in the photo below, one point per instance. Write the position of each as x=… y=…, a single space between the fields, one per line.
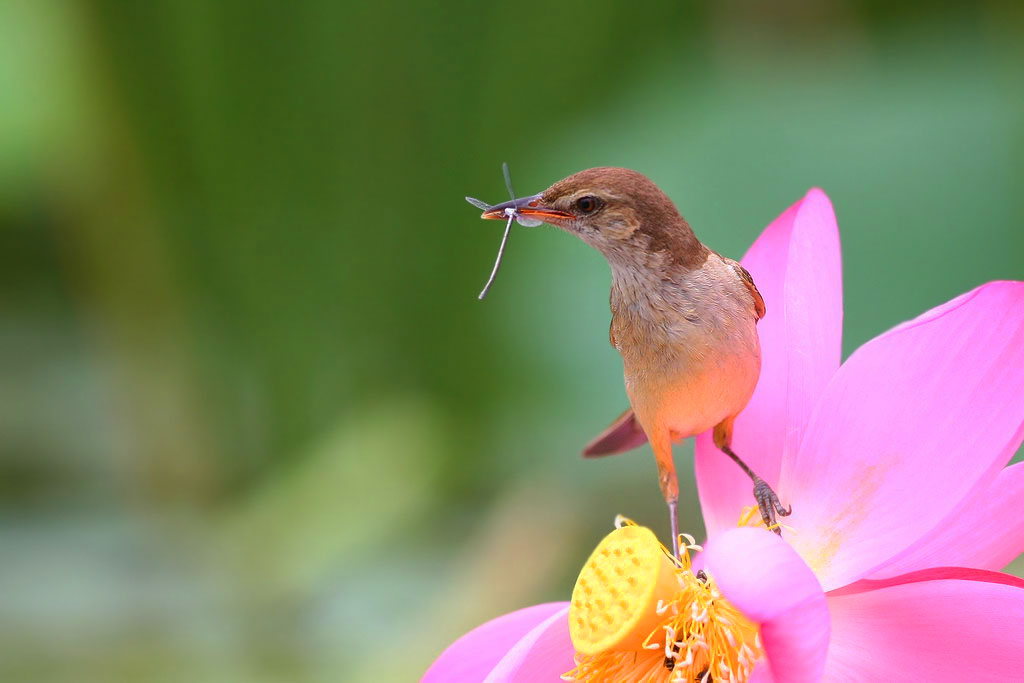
x=587 y=204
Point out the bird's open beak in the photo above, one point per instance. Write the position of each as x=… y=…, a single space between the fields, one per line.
x=531 y=207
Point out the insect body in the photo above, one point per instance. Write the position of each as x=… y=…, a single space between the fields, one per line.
x=513 y=215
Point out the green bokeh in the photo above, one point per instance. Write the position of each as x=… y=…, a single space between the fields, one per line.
x=255 y=425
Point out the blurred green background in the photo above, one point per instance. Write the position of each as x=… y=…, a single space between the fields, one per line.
x=254 y=425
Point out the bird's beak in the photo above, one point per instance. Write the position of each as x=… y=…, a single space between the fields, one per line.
x=531 y=207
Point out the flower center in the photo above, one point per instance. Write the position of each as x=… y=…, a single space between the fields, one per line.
x=636 y=615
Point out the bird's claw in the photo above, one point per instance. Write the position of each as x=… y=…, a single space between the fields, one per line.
x=769 y=505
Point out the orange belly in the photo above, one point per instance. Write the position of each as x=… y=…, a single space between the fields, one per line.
x=689 y=400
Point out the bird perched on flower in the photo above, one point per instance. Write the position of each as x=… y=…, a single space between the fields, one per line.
x=904 y=510
x=683 y=319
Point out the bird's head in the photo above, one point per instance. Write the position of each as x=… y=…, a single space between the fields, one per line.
x=620 y=212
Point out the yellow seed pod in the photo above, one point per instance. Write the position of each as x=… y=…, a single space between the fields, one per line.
x=614 y=602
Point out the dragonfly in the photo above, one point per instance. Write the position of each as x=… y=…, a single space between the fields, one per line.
x=513 y=215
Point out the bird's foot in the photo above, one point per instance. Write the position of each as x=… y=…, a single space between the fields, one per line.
x=769 y=505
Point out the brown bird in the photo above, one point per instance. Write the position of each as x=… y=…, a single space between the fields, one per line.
x=683 y=319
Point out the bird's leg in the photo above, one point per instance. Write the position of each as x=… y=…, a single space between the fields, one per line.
x=673 y=517
x=662 y=447
x=767 y=501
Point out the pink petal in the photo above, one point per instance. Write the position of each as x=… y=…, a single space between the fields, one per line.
x=474 y=655
x=930 y=574
x=905 y=431
x=796 y=266
x=543 y=654
x=941 y=630
x=986 y=531
x=762 y=673
x=767 y=581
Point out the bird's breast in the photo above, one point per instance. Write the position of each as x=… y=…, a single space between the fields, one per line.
x=690 y=360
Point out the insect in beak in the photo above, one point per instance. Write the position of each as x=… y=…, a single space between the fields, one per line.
x=529 y=211
x=526 y=211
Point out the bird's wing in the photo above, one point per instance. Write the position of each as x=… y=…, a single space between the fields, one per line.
x=748 y=281
x=623 y=435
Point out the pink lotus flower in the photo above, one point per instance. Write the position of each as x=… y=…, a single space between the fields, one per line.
x=895 y=465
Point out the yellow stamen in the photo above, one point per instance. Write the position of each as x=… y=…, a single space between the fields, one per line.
x=751 y=516
x=637 y=615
